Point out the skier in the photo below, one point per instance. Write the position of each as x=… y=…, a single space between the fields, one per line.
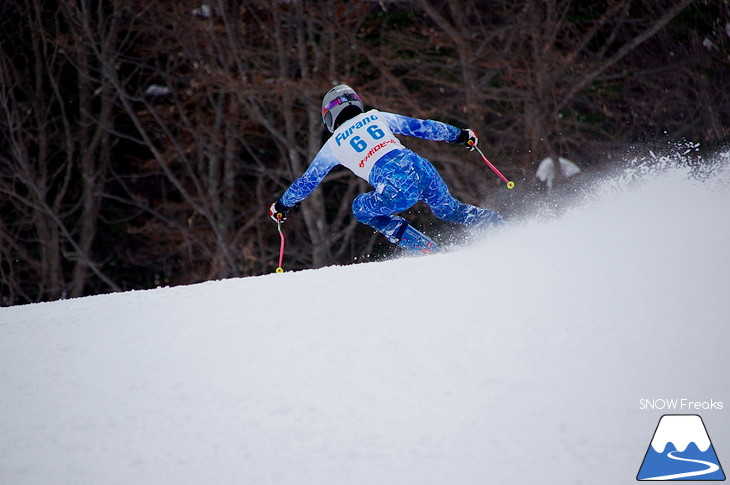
x=365 y=143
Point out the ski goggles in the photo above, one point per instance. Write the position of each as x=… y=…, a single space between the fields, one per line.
x=344 y=98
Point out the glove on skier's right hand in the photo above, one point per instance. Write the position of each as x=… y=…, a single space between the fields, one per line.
x=278 y=211
x=468 y=138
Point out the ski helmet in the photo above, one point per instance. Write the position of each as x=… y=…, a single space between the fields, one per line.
x=335 y=101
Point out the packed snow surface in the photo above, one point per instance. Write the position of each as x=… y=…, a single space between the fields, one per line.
x=527 y=357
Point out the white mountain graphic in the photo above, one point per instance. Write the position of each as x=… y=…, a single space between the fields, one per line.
x=680 y=430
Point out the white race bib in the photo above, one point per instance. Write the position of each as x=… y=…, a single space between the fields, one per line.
x=360 y=142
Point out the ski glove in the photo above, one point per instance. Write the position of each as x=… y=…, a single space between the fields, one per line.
x=278 y=211
x=468 y=138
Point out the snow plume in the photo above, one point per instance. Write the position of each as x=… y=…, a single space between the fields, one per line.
x=518 y=359
x=678 y=157
x=683 y=162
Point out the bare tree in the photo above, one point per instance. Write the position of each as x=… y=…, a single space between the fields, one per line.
x=54 y=166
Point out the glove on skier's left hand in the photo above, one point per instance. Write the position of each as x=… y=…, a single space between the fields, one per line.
x=468 y=138
x=278 y=211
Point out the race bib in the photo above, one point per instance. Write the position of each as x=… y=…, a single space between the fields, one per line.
x=360 y=142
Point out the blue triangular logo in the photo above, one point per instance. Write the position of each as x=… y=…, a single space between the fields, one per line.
x=681 y=450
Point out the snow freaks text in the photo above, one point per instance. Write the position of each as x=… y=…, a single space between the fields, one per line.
x=682 y=404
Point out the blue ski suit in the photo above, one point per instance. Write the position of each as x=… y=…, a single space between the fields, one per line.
x=366 y=144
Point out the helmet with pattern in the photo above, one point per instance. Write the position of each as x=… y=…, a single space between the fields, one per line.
x=336 y=101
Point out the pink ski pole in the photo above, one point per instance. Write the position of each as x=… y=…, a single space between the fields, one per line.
x=279 y=269
x=510 y=184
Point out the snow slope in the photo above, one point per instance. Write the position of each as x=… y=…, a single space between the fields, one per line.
x=521 y=359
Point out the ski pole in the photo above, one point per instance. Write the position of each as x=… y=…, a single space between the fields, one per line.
x=279 y=269
x=510 y=184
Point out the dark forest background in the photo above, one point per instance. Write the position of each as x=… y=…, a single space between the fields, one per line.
x=141 y=142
